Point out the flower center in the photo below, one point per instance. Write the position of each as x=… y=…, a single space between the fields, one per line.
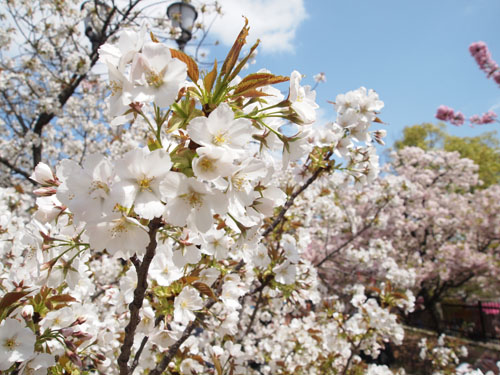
x=238 y=182
x=154 y=79
x=219 y=138
x=207 y=164
x=116 y=87
x=144 y=183
x=98 y=185
x=119 y=227
x=10 y=343
x=194 y=199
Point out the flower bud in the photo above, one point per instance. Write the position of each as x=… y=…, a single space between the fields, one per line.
x=27 y=312
x=44 y=175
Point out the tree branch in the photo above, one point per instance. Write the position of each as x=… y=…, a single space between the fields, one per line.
x=139 y=293
x=12 y=167
x=172 y=350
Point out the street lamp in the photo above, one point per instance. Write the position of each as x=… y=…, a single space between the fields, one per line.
x=182 y=15
x=95 y=13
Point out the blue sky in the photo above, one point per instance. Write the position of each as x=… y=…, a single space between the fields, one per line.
x=413 y=53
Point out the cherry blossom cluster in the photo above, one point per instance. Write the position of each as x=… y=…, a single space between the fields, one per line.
x=448 y=114
x=481 y=53
x=52 y=92
x=486 y=118
x=444 y=356
x=430 y=219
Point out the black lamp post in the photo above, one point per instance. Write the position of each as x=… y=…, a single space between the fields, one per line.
x=95 y=12
x=182 y=15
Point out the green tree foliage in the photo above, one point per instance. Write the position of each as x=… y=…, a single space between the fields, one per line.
x=484 y=149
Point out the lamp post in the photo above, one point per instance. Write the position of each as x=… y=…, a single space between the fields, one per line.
x=95 y=13
x=182 y=15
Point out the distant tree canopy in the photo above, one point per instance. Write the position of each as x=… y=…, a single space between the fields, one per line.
x=484 y=149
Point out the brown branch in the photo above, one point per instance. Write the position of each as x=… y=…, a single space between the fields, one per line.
x=15 y=169
x=138 y=354
x=254 y=314
x=19 y=118
x=139 y=293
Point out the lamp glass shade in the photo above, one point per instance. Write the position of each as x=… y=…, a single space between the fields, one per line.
x=182 y=15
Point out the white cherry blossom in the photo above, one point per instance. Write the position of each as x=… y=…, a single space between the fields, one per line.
x=185 y=304
x=157 y=75
x=17 y=343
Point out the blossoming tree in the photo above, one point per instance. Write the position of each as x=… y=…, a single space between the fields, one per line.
x=183 y=249
x=424 y=227
x=52 y=98
x=173 y=255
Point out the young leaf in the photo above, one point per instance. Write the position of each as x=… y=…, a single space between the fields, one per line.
x=192 y=67
x=254 y=81
x=10 y=298
x=209 y=79
x=62 y=298
x=217 y=365
x=234 y=53
x=205 y=289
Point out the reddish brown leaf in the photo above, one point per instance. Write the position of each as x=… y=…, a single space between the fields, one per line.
x=205 y=289
x=189 y=279
x=199 y=359
x=253 y=94
x=192 y=67
x=234 y=53
x=253 y=83
x=10 y=298
x=153 y=38
x=256 y=76
x=209 y=79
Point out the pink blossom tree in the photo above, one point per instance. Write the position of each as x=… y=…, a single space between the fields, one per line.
x=424 y=217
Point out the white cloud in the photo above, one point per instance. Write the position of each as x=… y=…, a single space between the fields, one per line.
x=274 y=22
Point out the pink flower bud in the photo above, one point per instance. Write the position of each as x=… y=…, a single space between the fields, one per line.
x=27 y=312
x=67 y=332
x=45 y=191
x=44 y=176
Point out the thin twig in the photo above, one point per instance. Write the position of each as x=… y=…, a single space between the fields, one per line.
x=138 y=354
x=15 y=169
x=254 y=314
